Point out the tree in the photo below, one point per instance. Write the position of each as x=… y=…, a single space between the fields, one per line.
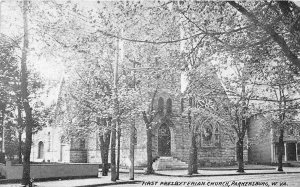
x=207 y=106
x=241 y=92
x=8 y=80
x=236 y=87
x=153 y=76
x=104 y=137
x=93 y=94
x=148 y=121
x=211 y=28
x=282 y=102
x=24 y=95
x=11 y=140
x=11 y=89
x=231 y=26
x=287 y=19
x=85 y=44
x=227 y=31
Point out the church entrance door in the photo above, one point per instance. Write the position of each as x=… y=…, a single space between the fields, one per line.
x=164 y=141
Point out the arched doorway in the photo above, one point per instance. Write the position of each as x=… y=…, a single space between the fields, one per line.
x=63 y=149
x=41 y=150
x=164 y=141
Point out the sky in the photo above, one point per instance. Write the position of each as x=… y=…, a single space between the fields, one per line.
x=297 y=2
x=11 y=25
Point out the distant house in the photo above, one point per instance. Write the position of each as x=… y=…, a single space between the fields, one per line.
x=263 y=146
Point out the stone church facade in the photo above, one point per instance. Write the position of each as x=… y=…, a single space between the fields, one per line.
x=171 y=138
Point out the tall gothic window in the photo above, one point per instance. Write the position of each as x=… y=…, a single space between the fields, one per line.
x=169 y=106
x=41 y=150
x=161 y=106
x=207 y=134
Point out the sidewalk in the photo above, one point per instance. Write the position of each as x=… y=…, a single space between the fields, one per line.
x=88 y=182
x=230 y=172
x=139 y=176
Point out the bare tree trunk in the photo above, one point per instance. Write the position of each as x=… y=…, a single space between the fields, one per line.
x=195 y=156
x=148 y=121
x=113 y=152
x=240 y=154
x=20 y=124
x=132 y=139
x=280 y=151
x=25 y=94
x=3 y=133
x=149 y=150
x=131 y=151
x=149 y=144
x=119 y=147
x=106 y=150
x=20 y=148
x=104 y=147
x=27 y=148
x=192 y=164
x=115 y=118
x=2 y=154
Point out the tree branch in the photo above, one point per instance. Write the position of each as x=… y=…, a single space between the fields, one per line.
x=268 y=29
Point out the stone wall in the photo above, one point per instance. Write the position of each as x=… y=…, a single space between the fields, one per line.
x=43 y=171
x=78 y=156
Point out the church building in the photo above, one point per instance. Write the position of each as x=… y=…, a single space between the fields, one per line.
x=170 y=140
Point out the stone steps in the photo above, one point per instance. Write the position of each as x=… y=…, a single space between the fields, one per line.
x=169 y=163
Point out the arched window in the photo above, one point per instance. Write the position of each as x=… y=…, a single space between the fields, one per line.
x=207 y=134
x=161 y=106
x=41 y=150
x=210 y=135
x=169 y=106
